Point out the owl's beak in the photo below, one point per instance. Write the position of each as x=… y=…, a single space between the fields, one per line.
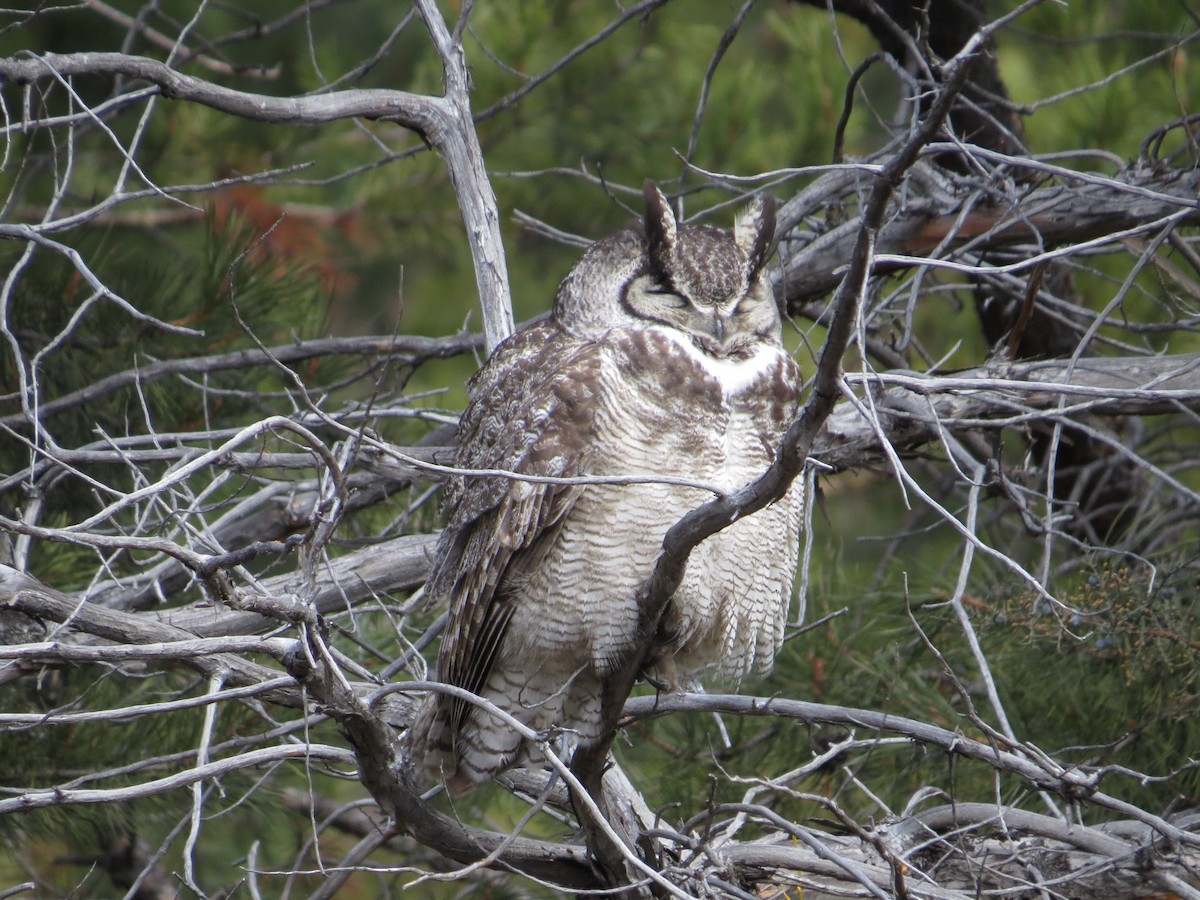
x=716 y=327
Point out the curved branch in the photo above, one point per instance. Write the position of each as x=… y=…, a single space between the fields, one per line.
x=417 y=112
x=458 y=142
x=26 y=594
x=405 y=350
x=1063 y=781
x=1069 y=782
x=58 y=796
x=1058 y=215
x=1000 y=393
x=444 y=122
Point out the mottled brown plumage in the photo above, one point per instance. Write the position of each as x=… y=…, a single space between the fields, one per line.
x=662 y=357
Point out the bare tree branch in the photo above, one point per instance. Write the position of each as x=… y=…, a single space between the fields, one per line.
x=1056 y=216
x=445 y=122
x=398 y=349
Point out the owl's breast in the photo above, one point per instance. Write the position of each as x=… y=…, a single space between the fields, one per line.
x=660 y=412
x=730 y=407
x=686 y=414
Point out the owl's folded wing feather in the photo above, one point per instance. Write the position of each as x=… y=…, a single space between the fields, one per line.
x=531 y=413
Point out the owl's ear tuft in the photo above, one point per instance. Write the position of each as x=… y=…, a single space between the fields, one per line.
x=755 y=229
x=660 y=228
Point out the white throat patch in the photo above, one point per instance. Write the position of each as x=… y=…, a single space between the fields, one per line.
x=734 y=375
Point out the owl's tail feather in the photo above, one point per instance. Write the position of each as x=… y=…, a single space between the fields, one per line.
x=431 y=747
x=482 y=746
x=461 y=758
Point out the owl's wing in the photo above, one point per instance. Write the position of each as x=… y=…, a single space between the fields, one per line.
x=531 y=412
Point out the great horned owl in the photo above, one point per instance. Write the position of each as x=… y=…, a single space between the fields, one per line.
x=662 y=357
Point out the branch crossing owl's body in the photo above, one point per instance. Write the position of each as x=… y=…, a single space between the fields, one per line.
x=662 y=357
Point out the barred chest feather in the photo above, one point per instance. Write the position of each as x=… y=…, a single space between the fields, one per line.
x=672 y=410
x=694 y=391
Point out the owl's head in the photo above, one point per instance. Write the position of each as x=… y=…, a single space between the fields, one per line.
x=706 y=283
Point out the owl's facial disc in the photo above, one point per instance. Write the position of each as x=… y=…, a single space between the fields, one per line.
x=726 y=327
